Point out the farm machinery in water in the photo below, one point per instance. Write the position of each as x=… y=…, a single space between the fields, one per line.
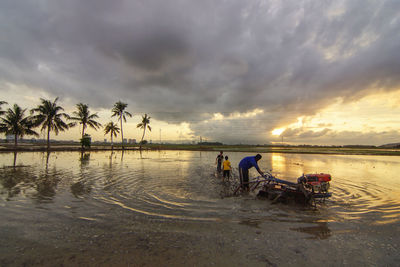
x=308 y=189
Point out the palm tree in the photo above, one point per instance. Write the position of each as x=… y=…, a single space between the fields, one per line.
x=2 y=111
x=119 y=111
x=83 y=117
x=15 y=122
x=49 y=115
x=113 y=129
x=143 y=125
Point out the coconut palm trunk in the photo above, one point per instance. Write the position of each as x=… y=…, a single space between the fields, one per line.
x=48 y=136
x=119 y=111
x=143 y=125
x=113 y=130
x=141 y=141
x=122 y=132
x=112 y=142
x=83 y=134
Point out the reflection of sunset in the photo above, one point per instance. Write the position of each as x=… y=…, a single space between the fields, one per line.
x=278 y=162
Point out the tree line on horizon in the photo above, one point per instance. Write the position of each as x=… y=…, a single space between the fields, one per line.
x=50 y=117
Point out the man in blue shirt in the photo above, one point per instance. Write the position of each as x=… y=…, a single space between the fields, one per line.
x=244 y=165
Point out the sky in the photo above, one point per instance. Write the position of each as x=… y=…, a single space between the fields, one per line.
x=232 y=71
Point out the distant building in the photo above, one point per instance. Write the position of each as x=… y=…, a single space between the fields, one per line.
x=105 y=140
x=132 y=141
x=124 y=141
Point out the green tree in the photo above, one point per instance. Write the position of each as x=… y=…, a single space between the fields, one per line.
x=143 y=125
x=86 y=141
x=84 y=118
x=50 y=116
x=113 y=129
x=16 y=123
x=119 y=111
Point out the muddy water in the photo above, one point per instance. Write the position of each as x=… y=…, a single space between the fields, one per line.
x=169 y=208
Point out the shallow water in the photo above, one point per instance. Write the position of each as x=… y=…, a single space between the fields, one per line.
x=170 y=208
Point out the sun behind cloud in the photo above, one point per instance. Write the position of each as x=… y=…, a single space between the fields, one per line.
x=277 y=131
x=371 y=120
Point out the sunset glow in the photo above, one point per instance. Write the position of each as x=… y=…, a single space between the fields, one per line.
x=278 y=131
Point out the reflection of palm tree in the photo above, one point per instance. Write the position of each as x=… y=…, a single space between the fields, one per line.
x=15 y=159
x=113 y=129
x=84 y=159
x=81 y=187
x=143 y=125
x=49 y=116
x=47 y=161
x=119 y=111
x=13 y=179
x=111 y=156
x=46 y=183
x=16 y=123
x=83 y=116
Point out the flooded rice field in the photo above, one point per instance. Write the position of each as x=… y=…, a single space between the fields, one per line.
x=169 y=208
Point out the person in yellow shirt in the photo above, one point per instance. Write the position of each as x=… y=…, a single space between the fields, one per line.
x=227 y=169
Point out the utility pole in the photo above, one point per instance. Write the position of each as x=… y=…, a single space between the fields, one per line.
x=160 y=136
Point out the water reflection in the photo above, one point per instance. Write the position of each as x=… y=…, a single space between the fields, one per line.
x=177 y=184
x=84 y=158
x=319 y=230
x=79 y=189
x=46 y=182
x=46 y=185
x=22 y=179
x=252 y=222
x=15 y=158
x=10 y=180
x=81 y=186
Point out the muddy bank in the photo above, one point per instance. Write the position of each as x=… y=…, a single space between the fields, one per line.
x=181 y=243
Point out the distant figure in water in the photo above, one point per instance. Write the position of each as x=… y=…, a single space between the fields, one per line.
x=227 y=169
x=244 y=165
x=219 y=160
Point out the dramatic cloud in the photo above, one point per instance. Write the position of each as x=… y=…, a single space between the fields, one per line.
x=302 y=136
x=184 y=60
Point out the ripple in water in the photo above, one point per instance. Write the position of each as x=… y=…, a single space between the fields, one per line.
x=183 y=185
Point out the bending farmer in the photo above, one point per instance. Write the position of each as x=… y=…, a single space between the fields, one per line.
x=219 y=160
x=244 y=166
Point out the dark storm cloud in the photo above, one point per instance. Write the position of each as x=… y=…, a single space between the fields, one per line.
x=183 y=60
